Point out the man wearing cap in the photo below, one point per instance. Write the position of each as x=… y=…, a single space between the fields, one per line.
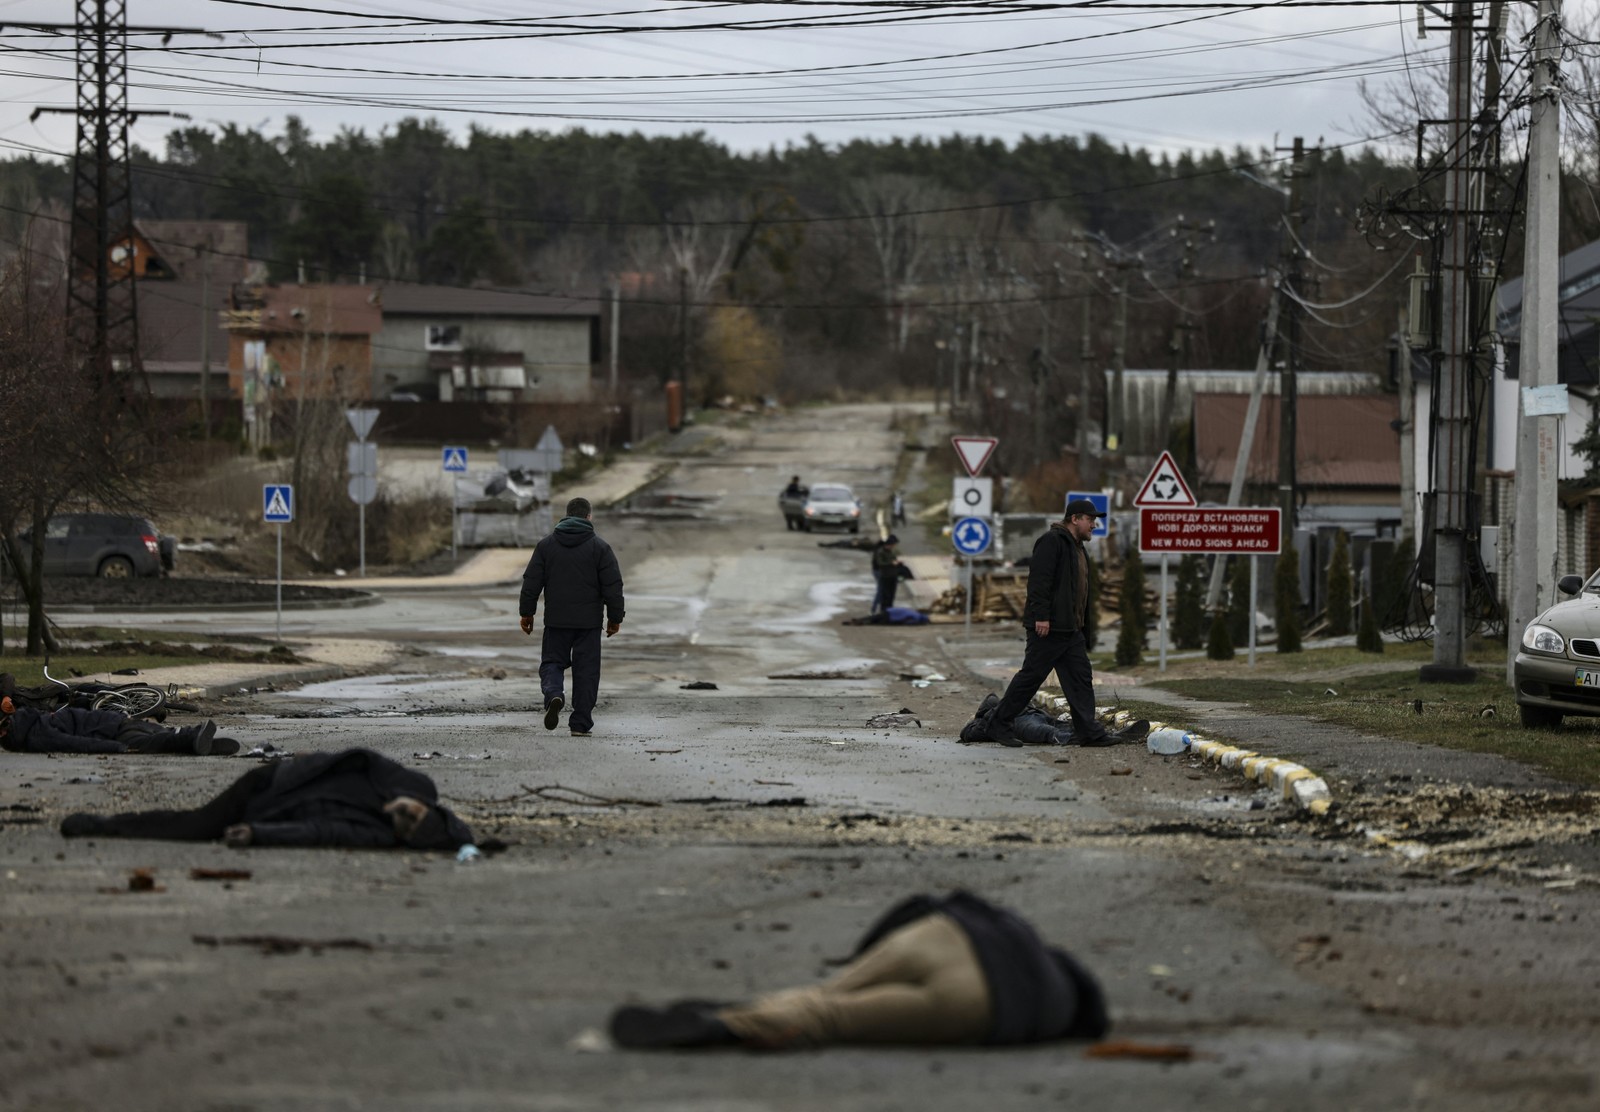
x=886 y=571
x=1054 y=619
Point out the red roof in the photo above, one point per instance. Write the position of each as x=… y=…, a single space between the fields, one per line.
x=1343 y=440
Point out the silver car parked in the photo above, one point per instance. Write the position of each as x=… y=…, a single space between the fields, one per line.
x=1557 y=670
x=831 y=505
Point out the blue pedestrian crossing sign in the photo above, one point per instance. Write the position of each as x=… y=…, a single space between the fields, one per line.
x=455 y=459
x=277 y=503
x=972 y=536
x=1102 y=503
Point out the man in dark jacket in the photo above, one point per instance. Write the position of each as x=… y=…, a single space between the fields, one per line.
x=355 y=798
x=578 y=575
x=930 y=971
x=886 y=573
x=1054 y=619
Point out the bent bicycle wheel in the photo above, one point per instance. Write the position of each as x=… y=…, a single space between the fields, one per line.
x=134 y=700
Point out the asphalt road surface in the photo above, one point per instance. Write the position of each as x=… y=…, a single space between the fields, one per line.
x=740 y=839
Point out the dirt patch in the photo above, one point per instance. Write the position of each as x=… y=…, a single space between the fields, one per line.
x=278 y=654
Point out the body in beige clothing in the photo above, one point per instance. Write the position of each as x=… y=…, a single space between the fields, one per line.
x=920 y=984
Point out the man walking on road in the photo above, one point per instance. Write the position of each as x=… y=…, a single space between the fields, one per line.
x=1054 y=618
x=578 y=575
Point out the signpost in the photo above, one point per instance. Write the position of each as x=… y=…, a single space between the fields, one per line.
x=971 y=537
x=363 y=457
x=454 y=462
x=1215 y=530
x=277 y=508
x=1163 y=487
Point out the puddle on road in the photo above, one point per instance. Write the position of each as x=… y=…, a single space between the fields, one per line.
x=466 y=650
x=685 y=626
x=828 y=600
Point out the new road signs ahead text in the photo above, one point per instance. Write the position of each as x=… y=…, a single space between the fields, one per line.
x=1242 y=530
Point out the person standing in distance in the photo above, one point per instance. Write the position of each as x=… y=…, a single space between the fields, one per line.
x=579 y=577
x=1054 y=619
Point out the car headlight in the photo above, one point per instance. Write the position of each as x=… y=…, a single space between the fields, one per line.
x=1541 y=638
x=810 y=512
x=856 y=512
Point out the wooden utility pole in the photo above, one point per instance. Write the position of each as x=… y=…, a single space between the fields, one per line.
x=1289 y=386
x=1533 y=569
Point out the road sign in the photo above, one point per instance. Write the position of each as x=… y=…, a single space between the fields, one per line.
x=277 y=503
x=972 y=498
x=546 y=457
x=972 y=536
x=974 y=452
x=1102 y=503
x=1240 y=530
x=361 y=420
x=1164 y=486
x=363 y=489
x=361 y=458
x=455 y=459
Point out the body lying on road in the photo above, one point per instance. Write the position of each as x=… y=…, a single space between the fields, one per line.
x=957 y=970
x=354 y=797
x=24 y=729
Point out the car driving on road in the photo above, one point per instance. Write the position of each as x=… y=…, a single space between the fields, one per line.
x=1557 y=671
x=831 y=505
x=112 y=546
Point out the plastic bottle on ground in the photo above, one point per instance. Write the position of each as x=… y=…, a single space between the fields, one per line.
x=1168 y=741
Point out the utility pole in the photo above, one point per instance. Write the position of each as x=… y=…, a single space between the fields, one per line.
x=1452 y=429
x=1116 y=404
x=207 y=322
x=1175 y=346
x=616 y=330
x=1289 y=388
x=1088 y=470
x=102 y=312
x=683 y=332
x=1534 y=527
x=1408 y=430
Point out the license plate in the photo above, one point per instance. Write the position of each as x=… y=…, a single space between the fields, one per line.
x=1586 y=678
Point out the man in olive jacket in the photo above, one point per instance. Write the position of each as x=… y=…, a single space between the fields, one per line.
x=579 y=577
x=1054 y=618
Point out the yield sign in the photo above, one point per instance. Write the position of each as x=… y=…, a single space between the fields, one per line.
x=1164 y=486
x=974 y=451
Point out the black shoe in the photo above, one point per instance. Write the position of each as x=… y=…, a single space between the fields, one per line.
x=224 y=747
x=203 y=737
x=1003 y=733
x=1133 y=731
x=580 y=733
x=677 y=1026
x=82 y=826
x=990 y=701
x=552 y=711
x=1103 y=740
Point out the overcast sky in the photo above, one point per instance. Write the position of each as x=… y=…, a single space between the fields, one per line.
x=1168 y=79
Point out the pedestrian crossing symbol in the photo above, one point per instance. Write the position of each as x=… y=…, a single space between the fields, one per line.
x=277 y=503
x=1164 y=487
x=455 y=459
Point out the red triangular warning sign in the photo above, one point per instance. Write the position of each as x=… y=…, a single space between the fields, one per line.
x=974 y=451
x=1164 y=486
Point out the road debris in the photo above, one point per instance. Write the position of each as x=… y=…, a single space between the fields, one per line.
x=272 y=944
x=1153 y=1052
x=698 y=685
x=905 y=716
x=198 y=873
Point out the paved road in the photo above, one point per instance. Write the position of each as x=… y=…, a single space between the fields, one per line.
x=1306 y=967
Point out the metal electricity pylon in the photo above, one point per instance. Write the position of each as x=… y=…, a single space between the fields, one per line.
x=102 y=309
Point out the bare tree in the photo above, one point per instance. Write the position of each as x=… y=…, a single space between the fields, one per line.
x=897 y=217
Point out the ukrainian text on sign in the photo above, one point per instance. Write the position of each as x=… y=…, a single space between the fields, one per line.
x=1246 y=530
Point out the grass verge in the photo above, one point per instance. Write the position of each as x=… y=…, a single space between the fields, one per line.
x=29 y=670
x=1479 y=717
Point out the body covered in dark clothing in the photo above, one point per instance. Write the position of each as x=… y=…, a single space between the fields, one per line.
x=319 y=799
x=80 y=730
x=578 y=575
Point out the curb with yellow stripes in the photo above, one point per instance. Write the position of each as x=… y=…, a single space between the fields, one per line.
x=1297 y=783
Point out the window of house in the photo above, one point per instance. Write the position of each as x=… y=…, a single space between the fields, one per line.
x=444 y=337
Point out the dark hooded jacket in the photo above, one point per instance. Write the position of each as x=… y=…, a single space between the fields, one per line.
x=1038 y=993
x=68 y=730
x=578 y=575
x=1054 y=593
x=336 y=799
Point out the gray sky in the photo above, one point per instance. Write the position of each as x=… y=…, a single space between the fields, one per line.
x=1146 y=78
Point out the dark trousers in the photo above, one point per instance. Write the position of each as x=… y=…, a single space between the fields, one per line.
x=1068 y=654
x=147 y=737
x=888 y=586
x=203 y=824
x=578 y=649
